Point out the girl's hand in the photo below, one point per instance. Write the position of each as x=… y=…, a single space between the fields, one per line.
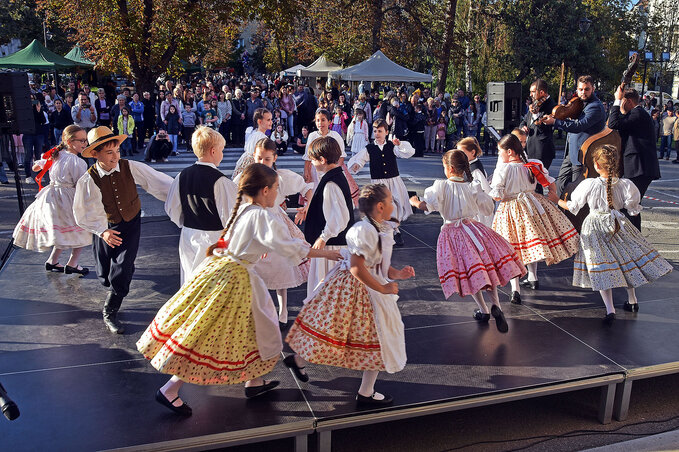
x=300 y=216
x=390 y=288
x=405 y=273
x=396 y=142
x=333 y=255
x=414 y=201
x=319 y=244
x=354 y=168
x=551 y=195
x=563 y=204
x=112 y=238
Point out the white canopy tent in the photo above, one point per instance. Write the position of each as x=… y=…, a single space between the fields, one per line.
x=379 y=68
x=319 y=68
x=292 y=71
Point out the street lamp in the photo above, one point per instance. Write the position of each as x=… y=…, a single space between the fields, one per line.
x=45 y=33
x=584 y=24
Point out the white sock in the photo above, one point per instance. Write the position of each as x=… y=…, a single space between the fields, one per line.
x=514 y=282
x=607 y=296
x=480 y=302
x=495 y=298
x=532 y=271
x=631 y=295
x=368 y=384
x=282 y=295
x=171 y=390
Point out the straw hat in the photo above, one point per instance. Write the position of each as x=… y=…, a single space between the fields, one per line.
x=100 y=135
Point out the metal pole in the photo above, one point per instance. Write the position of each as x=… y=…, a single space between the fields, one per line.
x=44 y=33
x=643 y=80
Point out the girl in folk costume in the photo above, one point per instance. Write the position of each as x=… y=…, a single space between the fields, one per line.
x=200 y=200
x=470 y=256
x=323 y=119
x=263 y=121
x=339 y=121
x=358 y=132
x=613 y=253
x=470 y=147
x=384 y=169
x=276 y=271
x=221 y=327
x=534 y=226
x=352 y=320
x=48 y=222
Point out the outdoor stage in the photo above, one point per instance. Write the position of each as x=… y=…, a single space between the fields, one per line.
x=81 y=388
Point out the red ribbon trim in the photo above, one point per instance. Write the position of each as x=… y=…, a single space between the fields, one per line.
x=536 y=169
x=47 y=156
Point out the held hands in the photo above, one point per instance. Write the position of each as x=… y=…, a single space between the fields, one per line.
x=354 y=168
x=406 y=272
x=319 y=244
x=112 y=238
x=390 y=288
x=396 y=142
x=551 y=195
x=300 y=216
x=332 y=255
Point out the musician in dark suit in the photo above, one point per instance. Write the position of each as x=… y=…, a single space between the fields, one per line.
x=639 y=159
x=540 y=143
x=591 y=121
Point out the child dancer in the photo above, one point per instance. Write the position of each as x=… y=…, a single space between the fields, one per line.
x=263 y=122
x=49 y=221
x=200 y=200
x=384 y=169
x=470 y=147
x=322 y=120
x=613 y=253
x=470 y=256
x=276 y=271
x=534 y=226
x=221 y=327
x=106 y=204
x=358 y=132
x=339 y=119
x=330 y=213
x=352 y=320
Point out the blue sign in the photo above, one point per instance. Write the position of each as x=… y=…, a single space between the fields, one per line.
x=666 y=56
x=648 y=55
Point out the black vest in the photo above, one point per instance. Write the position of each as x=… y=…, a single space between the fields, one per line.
x=382 y=162
x=197 y=194
x=315 y=221
x=477 y=165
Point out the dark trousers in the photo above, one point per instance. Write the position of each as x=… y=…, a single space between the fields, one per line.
x=568 y=172
x=32 y=150
x=139 y=135
x=224 y=129
x=187 y=131
x=642 y=183
x=115 y=266
x=238 y=133
x=418 y=144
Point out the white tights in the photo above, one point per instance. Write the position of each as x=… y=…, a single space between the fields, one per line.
x=480 y=302
x=72 y=261
x=282 y=296
x=367 y=388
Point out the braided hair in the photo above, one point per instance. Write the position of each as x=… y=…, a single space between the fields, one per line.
x=607 y=157
x=370 y=195
x=253 y=179
x=512 y=143
x=457 y=160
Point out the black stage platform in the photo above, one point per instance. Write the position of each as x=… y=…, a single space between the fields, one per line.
x=81 y=388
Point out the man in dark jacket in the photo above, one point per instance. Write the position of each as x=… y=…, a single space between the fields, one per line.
x=540 y=142
x=639 y=158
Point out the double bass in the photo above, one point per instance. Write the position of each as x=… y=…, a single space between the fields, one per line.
x=606 y=136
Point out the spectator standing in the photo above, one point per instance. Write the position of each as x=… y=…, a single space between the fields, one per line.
x=149 y=117
x=667 y=124
x=224 y=110
x=471 y=120
x=126 y=127
x=252 y=104
x=33 y=143
x=238 y=118
x=172 y=122
x=84 y=114
x=103 y=108
x=188 y=125
x=60 y=119
x=288 y=109
x=115 y=113
x=137 y=112
x=165 y=105
x=430 y=125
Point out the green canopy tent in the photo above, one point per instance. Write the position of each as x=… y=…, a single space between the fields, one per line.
x=37 y=58
x=76 y=54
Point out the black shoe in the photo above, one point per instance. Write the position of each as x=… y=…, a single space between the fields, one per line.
x=609 y=319
x=292 y=364
x=113 y=324
x=83 y=271
x=515 y=298
x=398 y=239
x=4 y=182
x=500 y=320
x=282 y=325
x=631 y=307
x=183 y=410
x=480 y=316
x=363 y=400
x=535 y=285
x=56 y=268
x=254 y=391
x=675 y=161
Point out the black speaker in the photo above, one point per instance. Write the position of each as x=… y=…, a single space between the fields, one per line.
x=16 y=109
x=504 y=105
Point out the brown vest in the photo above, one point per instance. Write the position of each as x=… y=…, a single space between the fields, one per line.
x=118 y=193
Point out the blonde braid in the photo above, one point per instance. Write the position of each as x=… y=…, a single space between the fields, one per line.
x=234 y=212
x=607 y=157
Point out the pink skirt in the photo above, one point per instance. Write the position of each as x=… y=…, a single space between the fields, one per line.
x=464 y=268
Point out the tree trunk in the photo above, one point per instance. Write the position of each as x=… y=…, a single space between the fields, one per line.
x=378 y=18
x=448 y=40
x=279 y=52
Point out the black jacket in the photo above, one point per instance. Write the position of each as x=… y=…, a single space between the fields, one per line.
x=639 y=157
x=540 y=142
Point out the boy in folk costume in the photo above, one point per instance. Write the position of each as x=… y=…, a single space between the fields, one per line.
x=200 y=200
x=107 y=205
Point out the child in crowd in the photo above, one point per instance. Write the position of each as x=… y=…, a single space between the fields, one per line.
x=441 y=128
x=300 y=145
x=358 y=132
x=613 y=253
x=200 y=200
x=280 y=137
x=364 y=330
x=173 y=121
x=106 y=204
x=48 y=222
x=470 y=147
x=534 y=226
x=339 y=119
x=224 y=313
x=263 y=121
x=276 y=271
x=330 y=213
x=126 y=128
x=470 y=256
x=209 y=116
x=188 y=125
x=384 y=169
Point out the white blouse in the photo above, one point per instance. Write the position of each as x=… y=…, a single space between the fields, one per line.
x=592 y=192
x=252 y=140
x=511 y=179
x=66 y=169
x=316 y=134
x=403 y=151
x=334 y=210
x=290 y=183
x=225 y=196
x=88 y=209
x=481 y=178
x=457 y=200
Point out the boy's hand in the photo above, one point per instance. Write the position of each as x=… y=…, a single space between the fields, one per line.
x=390 y=288
x=112 y=238
x=396 y=142
x=354 y=168
x=300 y=216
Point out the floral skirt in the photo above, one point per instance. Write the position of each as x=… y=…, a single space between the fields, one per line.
x=337 y=326
x=536 y=234
x=464 y=269
x=205 y=334
x=607 y=260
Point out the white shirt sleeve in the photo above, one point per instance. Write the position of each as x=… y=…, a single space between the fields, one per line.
x=405 y=150
x=360 y=158
x=334 y=210
x=173 y=204
x=484 y=202
x=88 y=210
x=579 y=196
x=632 y=197
x=293 y=183
x=361 y=240
x=154 y=182
x=273 y=234
x=478 y=176
x=498 y=183
x=433 y=196
x=225 y=198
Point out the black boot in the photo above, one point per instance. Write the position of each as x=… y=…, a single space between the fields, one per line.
x=111 y=307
